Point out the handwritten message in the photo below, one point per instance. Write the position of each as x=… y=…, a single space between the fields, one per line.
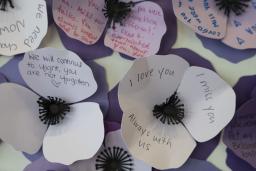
x=50 y=70
x=80 y=19
x=23 y=28
x=203 y=17
x=241 y=32
x=141 y=33
x=240 y=134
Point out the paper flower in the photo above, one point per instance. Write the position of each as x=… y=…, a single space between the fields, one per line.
x=220 y=19
x=23 y=25
x=113 y=155
x=53 y=117
x=239 y=135
x=167 y=104
x=129 y=27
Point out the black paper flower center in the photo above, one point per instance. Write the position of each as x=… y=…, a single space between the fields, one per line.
x=3 y=4
x=114 y=159
x=116 y=11
x=52 y=110
x=236 y=6
x=171 y=111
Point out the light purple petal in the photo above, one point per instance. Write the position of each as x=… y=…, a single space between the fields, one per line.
x=226 y=52
x=240 y=135
x=34 y=157
x=195 y=165
x=43 y=165
x=2 y=78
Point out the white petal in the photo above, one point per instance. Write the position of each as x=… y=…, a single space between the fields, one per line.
x=134 y=38
x=144 y=85
x=78 y=137
x=22 y=28
x=209 y=103
x=159 y=145
x=203 y=17
x=58 y=73
x=241 y=30
x=20 y=125
x=115 y=139
x=83 y=20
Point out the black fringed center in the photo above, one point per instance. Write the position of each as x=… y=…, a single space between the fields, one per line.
x=171 y=111
x=52 y=110
x=3 y=4
x=236 y=6
x=114 y=159
x=116 y=11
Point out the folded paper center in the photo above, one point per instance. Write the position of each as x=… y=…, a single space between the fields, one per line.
x=236 y=6
x=4 y=3
x=52 y=110
x=171 y=111
x=114 y=159
x=116 y=11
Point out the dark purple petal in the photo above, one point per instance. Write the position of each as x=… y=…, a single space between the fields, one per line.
x=49 y=11
x=2 y=78
x=34 y=157
x=240 y=135
x=114 y=112
x=226 y=52
x=87 y=52
x=43 y=165
x=244 y=89
x=195 y=165
x=236 y=164
x=11 y=71
x=111 y=126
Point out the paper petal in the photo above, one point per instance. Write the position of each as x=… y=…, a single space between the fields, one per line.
x=208 y=100
x=150 y=81
x=141 y=34
x=241 y=30
x=240 y=135
x=58 y=73
x=78 y=137
x=203 y=17
x=22 y=28
x=20 y=125
x=160 y=145
x=83 y=20
x=43 y=165
x=2 y=78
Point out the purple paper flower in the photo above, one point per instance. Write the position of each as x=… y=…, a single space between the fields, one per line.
x=222 y=26
x=239 y=135
x=59 y=118
x=92 y=51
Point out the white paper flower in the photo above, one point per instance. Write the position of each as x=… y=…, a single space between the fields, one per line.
x=69 y=131
x=167 y=104
x=23 y=25
x=112 y=156
x=231 y=21
x=131 y=25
